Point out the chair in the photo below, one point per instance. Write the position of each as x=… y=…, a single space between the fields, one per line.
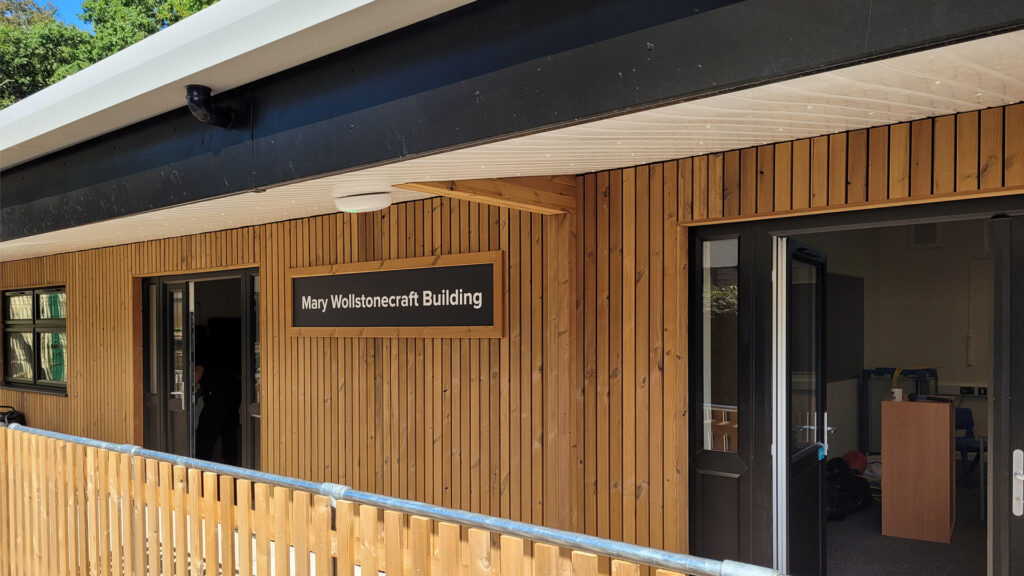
x=967 y=443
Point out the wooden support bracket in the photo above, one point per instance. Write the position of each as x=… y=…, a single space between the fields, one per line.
x=541 y=194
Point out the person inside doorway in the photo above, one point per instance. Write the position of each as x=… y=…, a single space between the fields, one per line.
x=219 y=387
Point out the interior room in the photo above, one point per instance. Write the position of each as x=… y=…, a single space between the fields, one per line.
x=908 y=307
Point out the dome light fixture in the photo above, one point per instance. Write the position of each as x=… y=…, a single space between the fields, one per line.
x=359 y=203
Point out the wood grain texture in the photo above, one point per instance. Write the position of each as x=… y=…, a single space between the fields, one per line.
x=576 y=417
x=980 y=153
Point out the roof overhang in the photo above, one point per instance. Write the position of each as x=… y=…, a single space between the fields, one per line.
x=956 y=78
x=229 y=44
x=508 y=89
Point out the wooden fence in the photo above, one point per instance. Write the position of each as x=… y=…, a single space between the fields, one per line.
x=79 y=510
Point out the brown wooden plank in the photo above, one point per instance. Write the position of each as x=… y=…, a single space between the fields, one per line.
x=178 y=528
x=319 y=534
x=243 y=515
x=512 y=556
x=716 y=184
x=837 y=159
x=801 y=174
x=368 y=552
x=783 y=171
x=967 y=151
x=878 y=164
x=540 y=194
x=617 y=312
x=730 y=183
x=480 y=552
x=899 y=160
x=765 y=179
x=629 y=332
x=819 y=171
x=1013 y=153
x=421 y=554
x=990 y=170
x=685 y=189
x=748 y=181
x=921 y=149
x=857 y=167
x=700 y=187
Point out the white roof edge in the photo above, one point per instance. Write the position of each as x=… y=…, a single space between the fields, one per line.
x=227 y=45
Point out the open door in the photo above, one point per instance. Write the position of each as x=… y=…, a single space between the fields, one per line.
x=1006 y=433
x=801 y=419
x=201 y=392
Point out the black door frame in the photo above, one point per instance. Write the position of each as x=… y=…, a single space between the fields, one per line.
x=249 y=437
x=756 y=509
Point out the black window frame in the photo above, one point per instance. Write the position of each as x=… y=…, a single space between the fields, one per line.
x=36 y=326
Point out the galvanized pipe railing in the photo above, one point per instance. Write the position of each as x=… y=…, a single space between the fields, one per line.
x=675 y=562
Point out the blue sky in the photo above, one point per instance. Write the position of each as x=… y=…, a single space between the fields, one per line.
x=68 y=10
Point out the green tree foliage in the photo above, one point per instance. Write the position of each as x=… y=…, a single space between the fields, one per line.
x=37 y=50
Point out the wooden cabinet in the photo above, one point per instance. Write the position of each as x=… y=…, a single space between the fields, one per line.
x=918 y=470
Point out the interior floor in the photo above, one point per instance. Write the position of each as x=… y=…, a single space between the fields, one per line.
x=857 y=547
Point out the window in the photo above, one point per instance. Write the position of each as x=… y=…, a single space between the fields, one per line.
x=35 y=339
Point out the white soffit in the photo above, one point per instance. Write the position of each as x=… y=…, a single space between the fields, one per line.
x=227 y=45
x=968 y=76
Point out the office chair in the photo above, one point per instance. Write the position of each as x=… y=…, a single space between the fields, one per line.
x=967 y=443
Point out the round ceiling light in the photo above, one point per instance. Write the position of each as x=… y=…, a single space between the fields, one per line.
x=358 y=203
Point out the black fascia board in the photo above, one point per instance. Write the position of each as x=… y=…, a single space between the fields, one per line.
x=487 y=71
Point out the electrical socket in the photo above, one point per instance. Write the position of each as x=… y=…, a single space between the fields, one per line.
x=982 y=391
x=966 y=390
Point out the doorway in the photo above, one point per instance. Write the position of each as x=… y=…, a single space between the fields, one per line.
x=202 y=366
x=803 y=335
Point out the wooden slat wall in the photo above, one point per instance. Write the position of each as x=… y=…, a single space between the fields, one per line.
x=478 y=424
x=974 y=153
x=577 y=417
x=104 y=324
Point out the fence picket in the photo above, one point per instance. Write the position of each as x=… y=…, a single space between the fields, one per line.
x=261 y=525
x=226 y=520
x=243 y=494
x=76 y=509
x=173 y=538
x=320 y=529
x=368 y=539
x=281 y=524
x=394 y=558
x=209 y=524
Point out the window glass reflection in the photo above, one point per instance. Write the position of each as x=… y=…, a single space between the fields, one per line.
x=52 y=305
x=52 y=346
x=18 y=306
x=18 y=352
x=720 y=316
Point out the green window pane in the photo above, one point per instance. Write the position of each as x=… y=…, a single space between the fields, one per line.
x=18 y=353
x=52 y=305
x=18 y=306
x=53 y=356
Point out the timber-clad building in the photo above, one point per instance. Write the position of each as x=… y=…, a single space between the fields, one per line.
x=636 y=270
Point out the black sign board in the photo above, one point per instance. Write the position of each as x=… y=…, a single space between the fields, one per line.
x=444 y=296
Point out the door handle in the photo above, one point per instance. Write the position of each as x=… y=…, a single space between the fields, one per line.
x=1018 y=482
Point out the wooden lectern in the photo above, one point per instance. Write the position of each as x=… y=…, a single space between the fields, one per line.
x=918 y=470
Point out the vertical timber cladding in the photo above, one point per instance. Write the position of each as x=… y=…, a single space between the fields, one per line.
x=978 y=153
x=576 y=418
x=484 y=424
x=104 y=325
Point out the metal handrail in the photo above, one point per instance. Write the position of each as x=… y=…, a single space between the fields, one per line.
x=675 y=562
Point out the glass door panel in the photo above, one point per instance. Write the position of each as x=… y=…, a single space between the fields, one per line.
x=805 y=329
x=180 y=371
